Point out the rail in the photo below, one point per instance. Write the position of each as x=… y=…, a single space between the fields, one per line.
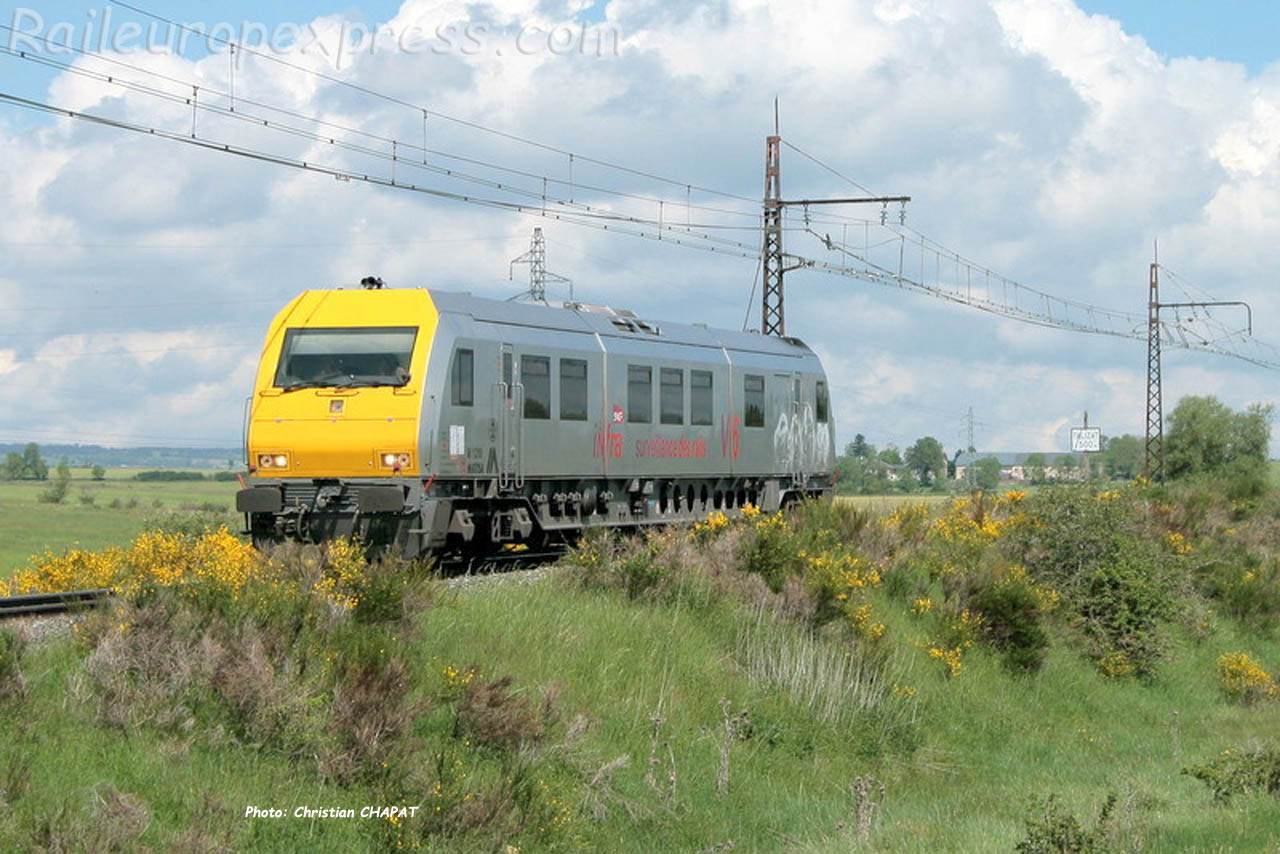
x=50 y=603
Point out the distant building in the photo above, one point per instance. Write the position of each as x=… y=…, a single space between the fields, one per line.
x=1013 y=465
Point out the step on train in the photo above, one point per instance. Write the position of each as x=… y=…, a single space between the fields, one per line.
x=442 y=423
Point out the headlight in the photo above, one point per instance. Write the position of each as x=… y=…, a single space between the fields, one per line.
x=273 y=461
x=395 y=459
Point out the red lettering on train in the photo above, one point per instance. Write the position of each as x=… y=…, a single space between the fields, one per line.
x=686 y=449
x=730 y=441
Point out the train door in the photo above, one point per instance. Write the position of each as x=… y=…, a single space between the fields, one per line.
x=508 y=410
x=797 y=425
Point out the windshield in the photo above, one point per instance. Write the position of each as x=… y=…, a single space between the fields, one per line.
x=346 y=356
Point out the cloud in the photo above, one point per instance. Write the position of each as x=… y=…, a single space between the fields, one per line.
x=1042 y=141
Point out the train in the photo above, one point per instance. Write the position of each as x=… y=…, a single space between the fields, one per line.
x=440 y=423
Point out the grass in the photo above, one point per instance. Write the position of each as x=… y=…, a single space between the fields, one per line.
x=29 y=527
x=681 y=705
x=186 y=788
x=988 y=741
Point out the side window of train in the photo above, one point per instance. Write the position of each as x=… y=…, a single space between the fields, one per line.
x=506 y=370
x=535 y=373
x=671 y=396
x=462 y=378
x=573 y=389
x=639 y=394
x=823 y=404
x=752 y=400
x=700 y=397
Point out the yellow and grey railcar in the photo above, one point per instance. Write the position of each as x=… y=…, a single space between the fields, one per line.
x=439 y=422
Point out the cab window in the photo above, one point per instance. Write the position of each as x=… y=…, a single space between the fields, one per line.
x=329 y=357
x=573 y=389
x=639 y=394
x=462 y=378
x=535 y=375
x=753 y=400
x=700 y=407
x=672 y=395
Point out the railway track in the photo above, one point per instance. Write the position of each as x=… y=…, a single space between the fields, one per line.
x=496 y=563
x=36 y=604
x=39 y=604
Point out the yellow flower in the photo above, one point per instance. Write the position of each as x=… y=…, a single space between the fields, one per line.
x=1115 y=664
x=1178 y=543
x=1242 y=678
x=952 y=658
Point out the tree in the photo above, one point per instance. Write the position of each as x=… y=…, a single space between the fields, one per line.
x=1125 y=456
x=927 y=460
x=986 y=473
x=57 y=490
x=98 y=473
x=859 y=448
x=1034 y=467
x=33 y=468
x=890 y=456
x=1204 y=435
x=13 y=466
x=1066 y=466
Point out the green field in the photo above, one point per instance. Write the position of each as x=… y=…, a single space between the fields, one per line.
x=885 y=503
x=28 y=526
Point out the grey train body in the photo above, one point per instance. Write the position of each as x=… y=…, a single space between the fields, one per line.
x=534 y=428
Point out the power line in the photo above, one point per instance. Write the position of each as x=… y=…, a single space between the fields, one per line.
x=830 y=169
x=236 y=111
x=1068 y=314
x=418 y=108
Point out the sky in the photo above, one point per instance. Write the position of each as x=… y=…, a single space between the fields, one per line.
x=1051 y=142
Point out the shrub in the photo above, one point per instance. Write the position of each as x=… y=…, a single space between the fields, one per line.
x=960 y=629
x=1052 y=829
x=1011 y=607
x=155 y=475
x=496 y=716
x=1071 y=531
x=1243 y=679
x=190 y=523
x=1245 y=586
x=302 y=652
x=1120 y=605
x=772 y=553
x=1238 y=772
x=58 y=487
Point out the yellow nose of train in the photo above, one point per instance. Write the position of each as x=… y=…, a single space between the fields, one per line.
x=339 y=387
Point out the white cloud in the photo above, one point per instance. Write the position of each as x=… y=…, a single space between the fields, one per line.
x=1035 y=138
